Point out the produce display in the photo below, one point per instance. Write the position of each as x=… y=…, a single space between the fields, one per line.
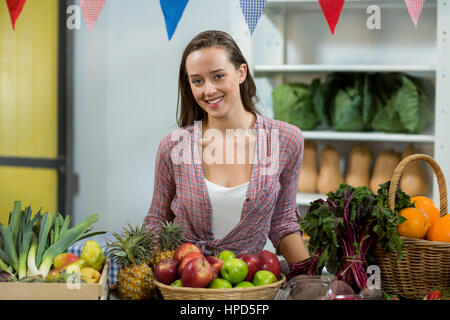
x=345 y=229
x=190 y=268
x=132 y=251
x=389 y=102
x=33 y=248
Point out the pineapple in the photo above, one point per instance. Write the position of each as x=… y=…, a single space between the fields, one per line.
x=132 y=250
x=171 y=237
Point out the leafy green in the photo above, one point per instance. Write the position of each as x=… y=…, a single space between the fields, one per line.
x=292 y=103
x=389 y=102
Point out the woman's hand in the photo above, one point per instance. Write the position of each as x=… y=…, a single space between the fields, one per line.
x=293 y=248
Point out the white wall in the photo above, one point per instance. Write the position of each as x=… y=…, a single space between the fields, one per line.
x=125 y=89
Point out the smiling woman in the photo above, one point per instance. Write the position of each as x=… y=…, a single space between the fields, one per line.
x=235 y=204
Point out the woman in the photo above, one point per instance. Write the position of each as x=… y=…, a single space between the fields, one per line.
x=229 y=175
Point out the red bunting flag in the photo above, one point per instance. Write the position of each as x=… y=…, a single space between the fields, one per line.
x=415 y=9
x=332 y=11
x=15 y=8
x=91 y=10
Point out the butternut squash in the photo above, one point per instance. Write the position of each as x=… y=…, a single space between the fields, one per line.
x=358 y=169
x=414 y=180
x=329 y=175
x=383 y=169
x=307 y=180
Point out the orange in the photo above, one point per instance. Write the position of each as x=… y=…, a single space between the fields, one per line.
x=440 y=229
x=427 y=206
x=416 y=224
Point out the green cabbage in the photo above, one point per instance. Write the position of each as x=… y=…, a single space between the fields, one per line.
x=292 y=103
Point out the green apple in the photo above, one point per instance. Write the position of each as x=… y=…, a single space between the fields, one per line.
x=244 y=284
x=177 y=283
x=234 y=270
x=264 y=277
x=220 y=284
x=226 y=255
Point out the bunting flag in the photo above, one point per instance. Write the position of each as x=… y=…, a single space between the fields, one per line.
x=91 y=10
x=172 y=10
x=252 y=10
x=415 y=9
x=15 y=8
x=332 y=11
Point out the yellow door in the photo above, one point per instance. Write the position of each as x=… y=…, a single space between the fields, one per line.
x=29 y=106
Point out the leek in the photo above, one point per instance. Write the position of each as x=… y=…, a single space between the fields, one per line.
x=9 y=247
x=64 y=242
x=31 y=263
x=15 y=221
x=5 y=267
x=44 y=229
x=25 y=240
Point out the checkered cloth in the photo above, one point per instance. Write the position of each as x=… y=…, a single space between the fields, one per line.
x=252 y=10
x=91 y=10
x=77 y=247
x=415 y=9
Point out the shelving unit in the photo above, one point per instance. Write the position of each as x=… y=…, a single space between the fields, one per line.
x=314 y=68
x=292 y=42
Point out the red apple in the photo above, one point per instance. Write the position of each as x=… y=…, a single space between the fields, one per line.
x=166 y=270
x=184 y=249
x=216 y=265
x=270 y=262
x=253 y=263
x=186 y=259
x=197 y=274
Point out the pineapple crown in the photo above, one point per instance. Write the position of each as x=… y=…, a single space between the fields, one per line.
x=171 y=235
x=134 y=246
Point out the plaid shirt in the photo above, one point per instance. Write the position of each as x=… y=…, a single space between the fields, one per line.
x=270 y=208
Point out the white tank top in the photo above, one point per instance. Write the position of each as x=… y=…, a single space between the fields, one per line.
x=227 y=204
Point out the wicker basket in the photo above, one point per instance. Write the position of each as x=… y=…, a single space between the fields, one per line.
x=425 y=264
x=266 y=292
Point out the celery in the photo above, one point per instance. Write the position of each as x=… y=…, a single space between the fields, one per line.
x=64 y=242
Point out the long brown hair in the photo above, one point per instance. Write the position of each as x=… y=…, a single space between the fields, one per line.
x=188 y=109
